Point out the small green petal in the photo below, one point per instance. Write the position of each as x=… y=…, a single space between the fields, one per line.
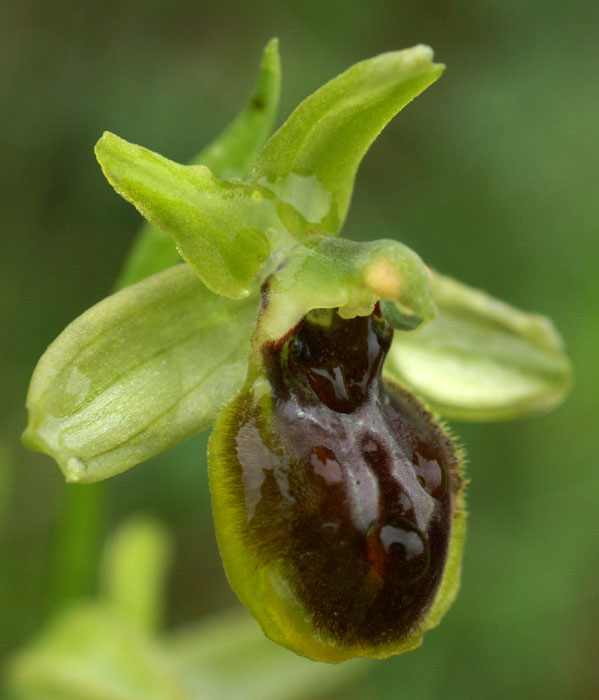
x=225 y=230
x=231 y=154
x=311 y=161
x=235 y=151
x=137 y=373
x=481 y=359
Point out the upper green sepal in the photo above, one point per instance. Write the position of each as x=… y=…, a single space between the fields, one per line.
x=481 y=359
x=138 y=372
x=311 y=161
x=231 y=154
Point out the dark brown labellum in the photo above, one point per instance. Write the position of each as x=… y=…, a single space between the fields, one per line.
x=344 y=481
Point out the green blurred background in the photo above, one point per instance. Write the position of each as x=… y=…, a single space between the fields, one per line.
x=492 y=176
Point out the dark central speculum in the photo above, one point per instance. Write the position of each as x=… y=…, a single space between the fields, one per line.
x=348 y=483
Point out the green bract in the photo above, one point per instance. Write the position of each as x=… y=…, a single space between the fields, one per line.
x=338 y=499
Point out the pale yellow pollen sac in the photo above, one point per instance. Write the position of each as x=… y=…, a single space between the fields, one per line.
x=383 y=279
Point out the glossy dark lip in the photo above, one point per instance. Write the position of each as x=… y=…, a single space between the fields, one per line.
x=364 y=553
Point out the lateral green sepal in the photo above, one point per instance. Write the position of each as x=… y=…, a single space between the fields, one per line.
x=138 y=372
x=481 y=359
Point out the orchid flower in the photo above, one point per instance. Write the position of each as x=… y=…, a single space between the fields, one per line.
x=324 y=365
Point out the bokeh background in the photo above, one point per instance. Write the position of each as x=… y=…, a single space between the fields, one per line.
x=492 y=176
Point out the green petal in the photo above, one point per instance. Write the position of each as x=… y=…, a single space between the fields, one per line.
x=481 y=359
x=225 y=230
x=234 y=152
x=137 y=373
x=311 y=161
x=231 y=154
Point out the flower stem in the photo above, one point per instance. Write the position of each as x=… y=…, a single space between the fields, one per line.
x=76 y=545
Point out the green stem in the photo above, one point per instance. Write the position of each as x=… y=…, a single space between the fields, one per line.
x=76 y=544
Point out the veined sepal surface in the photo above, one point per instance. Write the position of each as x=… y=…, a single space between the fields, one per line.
x=140 y=371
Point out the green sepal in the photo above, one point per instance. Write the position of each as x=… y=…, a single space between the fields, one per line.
x=139 y=372
x=230 y=155
x=225 y=230
x=481 y=359
x=311 y=161
x=327 y=272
